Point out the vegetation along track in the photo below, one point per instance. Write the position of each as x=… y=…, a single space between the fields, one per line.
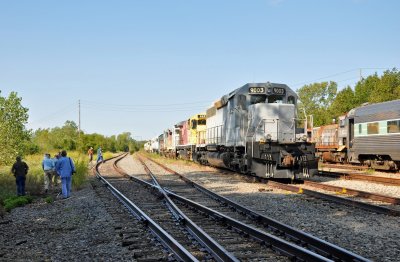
x=227 y=209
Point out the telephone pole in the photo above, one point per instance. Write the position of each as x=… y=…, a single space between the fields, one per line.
x=79 y=117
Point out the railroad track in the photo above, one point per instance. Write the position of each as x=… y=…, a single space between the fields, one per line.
x=147 y=206
x=244 y=242
x=227 y=209
x=362 y=177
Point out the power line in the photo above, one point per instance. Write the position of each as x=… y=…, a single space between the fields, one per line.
x=53 y=114
x=144 y=105
x=340 y=73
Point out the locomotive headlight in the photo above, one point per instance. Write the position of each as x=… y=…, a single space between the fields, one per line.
x=304 y=138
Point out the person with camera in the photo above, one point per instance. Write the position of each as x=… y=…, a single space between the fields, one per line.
x=65 y=168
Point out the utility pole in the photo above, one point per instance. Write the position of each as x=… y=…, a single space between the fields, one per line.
x=79 y=117
x=361 y=74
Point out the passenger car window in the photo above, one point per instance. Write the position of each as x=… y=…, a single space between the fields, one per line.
x=393 y=126
x=373 y=128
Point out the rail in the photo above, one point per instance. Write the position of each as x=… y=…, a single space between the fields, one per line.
x=166 y=239
x=325 y=248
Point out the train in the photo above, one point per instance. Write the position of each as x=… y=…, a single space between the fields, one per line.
x=254 y=130
x=368 y=135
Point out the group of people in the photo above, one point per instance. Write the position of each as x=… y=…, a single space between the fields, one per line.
x=58 y=166
x=99 y=155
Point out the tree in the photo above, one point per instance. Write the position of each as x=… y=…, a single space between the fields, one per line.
x=316 y=98
x=13 y=134
x=375 y=89
x=343 y=102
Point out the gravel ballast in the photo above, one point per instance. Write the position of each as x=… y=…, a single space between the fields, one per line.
x=371 y=235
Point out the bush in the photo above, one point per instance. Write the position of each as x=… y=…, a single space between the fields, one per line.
x=16 y=201
x=49 y=199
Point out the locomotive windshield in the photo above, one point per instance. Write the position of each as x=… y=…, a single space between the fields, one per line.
x=275 y=99
x=255 y=99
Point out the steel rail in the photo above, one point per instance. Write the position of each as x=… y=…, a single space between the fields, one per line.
x=336 y=199
x=166 y=239
x=215 y=249
x=278 y=244
x=369 y=178
x=323 y=247
x=354 y=192
x=290 y=249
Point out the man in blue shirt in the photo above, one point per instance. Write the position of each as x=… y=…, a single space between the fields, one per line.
x=65 y=168
x=99 y=155
x=48 y=167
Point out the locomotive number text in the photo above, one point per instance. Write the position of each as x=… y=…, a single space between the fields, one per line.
x=257 y=90
x=278 y=91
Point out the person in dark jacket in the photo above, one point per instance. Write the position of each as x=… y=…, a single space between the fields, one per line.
x=20 y=170
x=65 y=168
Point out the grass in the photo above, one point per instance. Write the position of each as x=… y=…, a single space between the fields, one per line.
x=16 y=201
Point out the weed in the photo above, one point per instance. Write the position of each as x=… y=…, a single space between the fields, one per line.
x=16 y=201
x=370 y=171
x=49 y=199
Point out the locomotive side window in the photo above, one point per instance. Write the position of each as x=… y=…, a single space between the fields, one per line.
x=291 y=100
x=359 y=129
x=342 y=123
x=255 y=99
x=373 y=128
x=393 y=126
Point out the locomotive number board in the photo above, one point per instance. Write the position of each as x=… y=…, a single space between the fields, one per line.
x=257 y=90
x=277 y=90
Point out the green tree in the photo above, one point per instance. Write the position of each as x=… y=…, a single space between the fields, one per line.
x=376 y=89
x=13 y=134
x=344 y=101
x=316 y=99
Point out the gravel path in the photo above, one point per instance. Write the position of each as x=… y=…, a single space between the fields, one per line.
x=75 y=229
x=371 y=235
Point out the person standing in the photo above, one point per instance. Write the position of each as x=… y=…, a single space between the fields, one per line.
x=20 y=170
x=90 y=153
x=48 y=168
x=55 y=174
x=65 y=168
x=99 y=155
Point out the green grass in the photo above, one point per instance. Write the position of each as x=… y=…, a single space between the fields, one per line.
x=16 y=201
x=49 y=199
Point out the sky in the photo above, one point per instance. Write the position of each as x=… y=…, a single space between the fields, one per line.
x=142 y=66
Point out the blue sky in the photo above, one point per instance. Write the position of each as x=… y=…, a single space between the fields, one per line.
x=142 y=66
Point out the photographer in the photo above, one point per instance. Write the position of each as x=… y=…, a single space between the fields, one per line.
x=65 y=167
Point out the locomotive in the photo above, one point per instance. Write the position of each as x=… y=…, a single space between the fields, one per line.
x=367 y=135
x=253 y=129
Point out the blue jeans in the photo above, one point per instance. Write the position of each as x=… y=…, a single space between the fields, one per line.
x=66 y=183
x=20 y=181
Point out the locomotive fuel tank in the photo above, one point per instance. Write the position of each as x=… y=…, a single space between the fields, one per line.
x=218 y=159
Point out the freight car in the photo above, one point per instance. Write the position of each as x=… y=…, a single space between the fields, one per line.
x=368 y=135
